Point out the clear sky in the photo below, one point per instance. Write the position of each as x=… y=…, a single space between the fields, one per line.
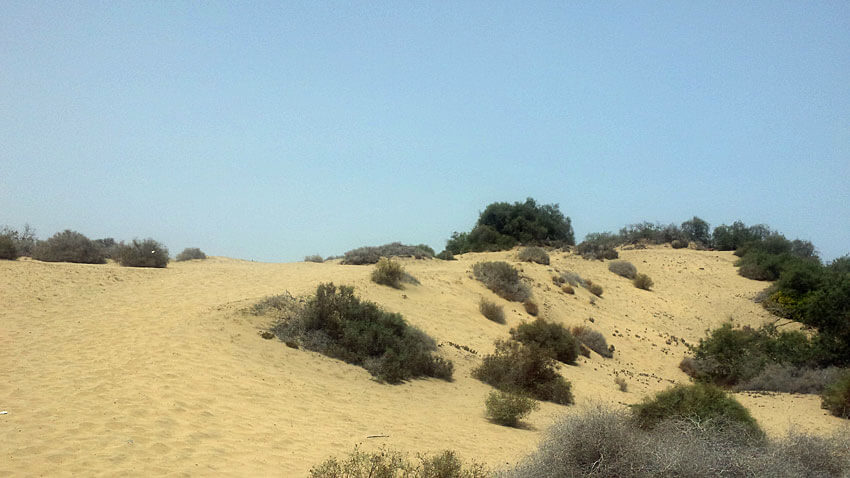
x=271 y=131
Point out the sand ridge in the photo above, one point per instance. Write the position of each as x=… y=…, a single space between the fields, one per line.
x=110 y=371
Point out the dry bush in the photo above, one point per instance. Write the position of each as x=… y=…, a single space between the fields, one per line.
x=189 y=254
x=529 y=369
x=388 y=272
x=679 y=244
x=643 y=281
x=791 y=379
x=371 y=255
x=503 y=279
x=314 y=258
x=145 y=253
x=492 y=311
x=621 y=384
x=533 y=254
x=509 y=408
x=623 y=268
x=531 y=307
x=68 y=246
x=593 y=340
x=568 y=289
x=595 y=289
x=393 y=464
x=573 y=279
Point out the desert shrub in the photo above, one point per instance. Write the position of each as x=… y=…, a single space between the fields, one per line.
x=8 y=250
x=599 y=246
x=623 y=268
x=836 y=396
x=621 y=384
x=24 y=241
x=145 y=253
x=568 y=289
x=191 y=253
x=388 y=272
x=277 y=306
x=730 y=238
x=573 y=279
x=312 y=258
x=525 y=369
x=371 y=255
x=642 y=281
x=508 y=408
x=503 y=279
x=552 y=338
x=68 y=246
x=108 y=247
x=338 y=324
x=696 y=230
x=492 y=311
x=595 y=289
x=593 y=340
x=699 y=402
x=649 y=233
x=678 y=244
x=502 y=225
x=531 y=307
x=533 y=254
x=446 y=255
x=786 y=378
x=393 y=464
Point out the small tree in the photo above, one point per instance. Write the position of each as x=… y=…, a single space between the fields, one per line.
x=145 y=253
x=509 y=408
x=69 y=246
x=697 y=230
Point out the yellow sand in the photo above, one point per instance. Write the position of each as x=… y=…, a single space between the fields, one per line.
x=106 y=370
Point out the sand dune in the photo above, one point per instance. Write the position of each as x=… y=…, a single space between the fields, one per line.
x=110 y=371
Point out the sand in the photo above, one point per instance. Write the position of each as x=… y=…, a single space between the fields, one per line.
x=106 y=370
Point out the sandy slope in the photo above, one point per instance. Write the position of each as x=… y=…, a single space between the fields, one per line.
x=107 y=370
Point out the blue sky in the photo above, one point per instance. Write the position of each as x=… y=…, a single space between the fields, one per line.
x=270 y=131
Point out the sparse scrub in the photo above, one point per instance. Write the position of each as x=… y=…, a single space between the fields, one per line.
x=599 y=246
x=531 y=308
x=791 y=379
x=593 y=340
x=190 y=253
x=371 y=255
x=69 y=246
x=508 y=409
x=388 y=272
x=643 y=281
x=573 y=279
x=623 y=268
x=551 y=337
x=312 y=258
x=276 y=306
x=503 y=279
x=492 y=311
x=836 y=396
x=533 y=254
x=392 y=464
x=338 y=324
x=145 y=253
x=621 y=384
x=519 y=368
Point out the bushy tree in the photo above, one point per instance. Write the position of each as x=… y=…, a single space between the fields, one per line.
x=697 y=230
x=144 y=253
x=69 y=246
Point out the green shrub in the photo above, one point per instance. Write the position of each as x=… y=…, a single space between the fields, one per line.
x=593 y=340
x=338 y=324
x=531 y=307
x=8 y=250
x=552 y=338
x=524 y=369
x=313 y=258
x=699 y=402
x=145 y=253
x=446 y=255
x=599 y=246
x=492 y=311
x=786 y=378
x=836 y=396
x=503 y=279
x=393 y=464
x=595 y=289
x=623 y=268
x=697 y=230
x=388 y=272
x=533 y=254
x=190 y=253
x=69 y=246
x=730 y=238
x=642 y=281
x=371 y=255
x=509 y=408
x=678 y=244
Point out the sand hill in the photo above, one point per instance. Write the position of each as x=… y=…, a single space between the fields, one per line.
x=106 y=370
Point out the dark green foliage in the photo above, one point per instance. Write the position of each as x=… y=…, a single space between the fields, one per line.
x=388 y=272
x=508 y=409
x=649 y=233
x=599 y=246
x=827 y=308
x=593 y=340
x=313 y=258
x=371 y=255
x=191 y=253
x=642 y=281
x=623 y=268
x=836 y=396
x=144 y=253
x=534 y=254
x=697 y=230
x=730 y=238
x=8 y=250
x=338 y=324
x=393 y=464
x=698 y=402
x=502 y=226
x=492 y=311
x=550 y=337
x=446 y=255
x=69 y=246
x=791 y=379
x=524 y=369
x=503 y=279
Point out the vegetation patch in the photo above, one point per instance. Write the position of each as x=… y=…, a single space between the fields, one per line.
x=145 y=253
x=508 y=409
x=623 y=268
x=552 y=338
x=524 y=369
x=68 y=246
x=595 y=289
x=643 y=281
x=836 y=396
x=503 y=279
x=492 y=311
x=393 y=464
x=314 y=258
x=593 y=340
x=23 y=241
x=190 y=253
x=599 y=246
x=8 y=250
x=533 y=254
x=776 y=377
x=336 y=323
x=371 y=255
x=531 y=308
x=446 y=255
x=388 y=272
